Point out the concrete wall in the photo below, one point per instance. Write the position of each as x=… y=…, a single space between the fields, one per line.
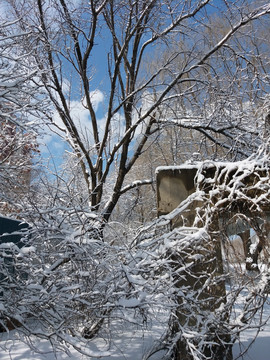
x=173 y=186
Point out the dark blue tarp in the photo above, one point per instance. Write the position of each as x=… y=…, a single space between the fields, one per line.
x=12 y=236
x=12 y=230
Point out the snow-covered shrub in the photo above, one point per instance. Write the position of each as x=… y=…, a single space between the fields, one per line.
x=84 y=281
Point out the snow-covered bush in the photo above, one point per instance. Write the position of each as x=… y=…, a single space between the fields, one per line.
x=80 y=285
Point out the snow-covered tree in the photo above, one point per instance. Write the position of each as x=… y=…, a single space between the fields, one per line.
x=17 y=150
x=21 y=105
x=69 y=284
x=86 y=51
x=77 y=289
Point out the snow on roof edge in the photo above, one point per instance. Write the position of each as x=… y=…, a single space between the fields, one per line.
x=244 y=164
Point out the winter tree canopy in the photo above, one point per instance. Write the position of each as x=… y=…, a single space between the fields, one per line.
x=82 y=50
x=118 y=82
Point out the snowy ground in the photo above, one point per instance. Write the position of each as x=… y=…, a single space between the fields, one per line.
x=259 y=350
x=132 y=345
x=17 y=350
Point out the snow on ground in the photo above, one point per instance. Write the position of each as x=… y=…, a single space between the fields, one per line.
x=259 y=350
x=131 y=345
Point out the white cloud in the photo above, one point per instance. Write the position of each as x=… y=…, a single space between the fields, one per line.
x=97 y=97
x=66 y=86
x=80 y=115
